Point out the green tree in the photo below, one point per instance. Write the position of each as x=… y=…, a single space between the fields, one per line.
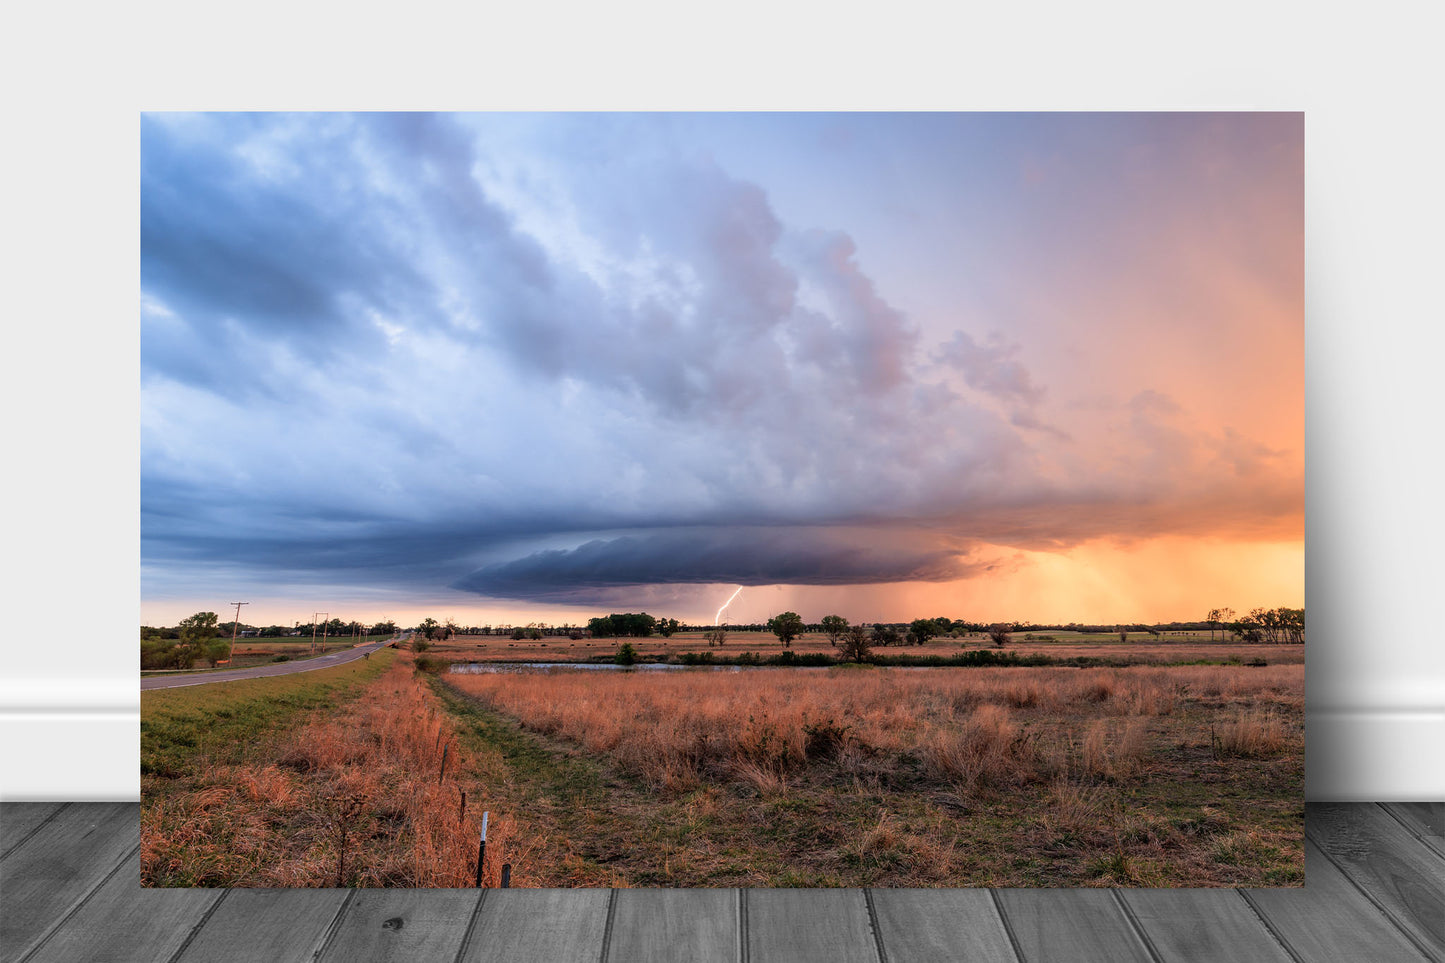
x=998 y=633
x=198 y=628
x=787 y=627
x=667 y=627
x=885 y=635
x=195 y=632
x=834 y=626
x=428 y=626
x=215 y=651
x=921 y=630
x=626 y=654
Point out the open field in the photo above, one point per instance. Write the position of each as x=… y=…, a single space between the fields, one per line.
x=1141 y=648
x=1188 y=776
x=332 y=778
x=852 y=775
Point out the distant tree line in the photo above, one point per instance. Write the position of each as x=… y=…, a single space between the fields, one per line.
x=333 y=628
x=201 y=637
x=1275 y=626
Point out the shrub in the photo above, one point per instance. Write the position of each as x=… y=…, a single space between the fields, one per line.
x=626 y=654
x=789 y=657
x=428 y=664
x=281 y=658
x=824 y=739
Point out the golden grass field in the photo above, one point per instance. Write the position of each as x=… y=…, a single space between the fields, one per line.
x=1147 y=775
x=346 y=790
x=1170 y=776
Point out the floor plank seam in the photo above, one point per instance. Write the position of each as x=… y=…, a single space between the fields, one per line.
x=743 y=951
x=1008 y=927
x=1404 y=931
x=1136 y=926
x=196 y=929
x=1426 y=842
x=1269 y=927
x=1398 y=819
x=334 y=927
x=65 y=917
x=471 y=927
x=607 y=929
x=35 y=829
x=873 y=925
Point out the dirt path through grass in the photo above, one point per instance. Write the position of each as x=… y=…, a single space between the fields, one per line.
x=579 y=822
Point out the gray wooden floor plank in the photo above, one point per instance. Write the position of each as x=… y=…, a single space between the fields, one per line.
x=71 y=892
x=809 y=926
x=62 y=863
x=1425 y=819
x=665 y=925
x=941 y=926
x=539 y=926
x=266 y=926
x=21 y=819
x=126 y=923
x=1071 y=926
x=1330 y=919
x=1202 y=924
x=1388 y=863
x=384 y=925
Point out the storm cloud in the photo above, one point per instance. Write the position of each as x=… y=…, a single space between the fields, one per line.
x=734 y=556
x=547 y=357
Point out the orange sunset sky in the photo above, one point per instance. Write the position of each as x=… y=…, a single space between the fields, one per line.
x=515 y=368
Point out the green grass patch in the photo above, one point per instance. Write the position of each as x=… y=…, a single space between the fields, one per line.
x=223 y=720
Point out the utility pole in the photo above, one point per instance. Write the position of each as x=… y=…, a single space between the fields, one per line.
x=314 y=617
x=234 y=626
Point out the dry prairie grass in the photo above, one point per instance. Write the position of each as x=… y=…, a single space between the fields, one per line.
x=868 y=776
x=355 y=796
x=1254 y=734
x=968 y=727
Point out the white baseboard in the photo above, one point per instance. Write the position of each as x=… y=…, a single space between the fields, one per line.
x=1380 y=755
x=85 y=756
x=91 y=750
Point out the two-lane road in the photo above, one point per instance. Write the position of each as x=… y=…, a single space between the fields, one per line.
x=260 y=671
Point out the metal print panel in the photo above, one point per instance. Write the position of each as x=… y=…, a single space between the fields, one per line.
x=723 y=499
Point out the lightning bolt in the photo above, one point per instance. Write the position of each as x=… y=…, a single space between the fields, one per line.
x=717 y=619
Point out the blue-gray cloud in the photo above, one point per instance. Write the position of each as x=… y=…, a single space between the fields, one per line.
x=398 y=349
x=734 y=556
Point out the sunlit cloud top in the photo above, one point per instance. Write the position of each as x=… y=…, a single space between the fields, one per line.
x=584 y=359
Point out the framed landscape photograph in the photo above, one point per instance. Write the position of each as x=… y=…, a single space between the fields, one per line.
x=722 y=499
